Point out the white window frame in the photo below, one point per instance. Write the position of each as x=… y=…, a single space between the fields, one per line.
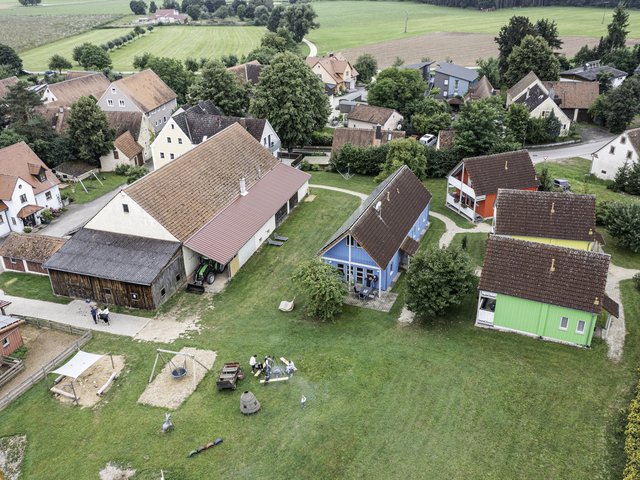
x=161 y=154
x=179 y=140
x=584 y=326
x=121 y=103
x=113 y=89
x=566 y=327
x=110 y=102
x=6 y=342
x=172 y=156
x=168 y=139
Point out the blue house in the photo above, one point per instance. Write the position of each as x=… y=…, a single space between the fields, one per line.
x=453 y=80
x=382 y=234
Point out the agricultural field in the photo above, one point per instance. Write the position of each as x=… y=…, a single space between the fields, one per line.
x=176 y=42
x=441 y=32
x=66 y=7
x=482 y=404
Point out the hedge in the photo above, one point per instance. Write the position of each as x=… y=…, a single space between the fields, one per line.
x=632 y=439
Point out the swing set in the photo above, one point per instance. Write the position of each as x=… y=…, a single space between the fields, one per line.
x=177 y=371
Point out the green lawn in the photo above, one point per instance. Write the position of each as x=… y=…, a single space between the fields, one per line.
x=110 y=181
x=623 y=257
x=439 y=399
x=27 y=285
x=175 y=42
x=476 y=245
x=66 y=7
x=382 y=21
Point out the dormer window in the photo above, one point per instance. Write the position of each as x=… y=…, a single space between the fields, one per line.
x=623 y=140
x=42 y=176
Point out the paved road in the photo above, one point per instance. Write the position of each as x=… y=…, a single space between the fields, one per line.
x=77 y=314
x=76 y=216
x=313 y=50
x=584 y=149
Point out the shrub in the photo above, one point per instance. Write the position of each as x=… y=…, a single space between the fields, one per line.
x=134 y=173
x=623 y=224
x=636 y=280
x=19 y=353
x=602 y=210
x=122 y=169
x=46 y=215
x=324 y=288
x=27 y=230
x=322 y=139
x=361 y=160
x=305 y=166
x=632 y=439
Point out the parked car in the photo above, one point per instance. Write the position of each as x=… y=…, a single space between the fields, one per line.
x=562 y=184
x=429 y=140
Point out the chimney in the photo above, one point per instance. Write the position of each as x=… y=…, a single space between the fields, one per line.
x=553 y=265
x=243 y=187
x=553 y=207
x=506 y=164
x=596 y=301
x=388 y=196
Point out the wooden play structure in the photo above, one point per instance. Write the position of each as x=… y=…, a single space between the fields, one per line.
x=74 y=368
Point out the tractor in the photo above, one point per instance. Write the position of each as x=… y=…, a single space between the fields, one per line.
x=206 y=272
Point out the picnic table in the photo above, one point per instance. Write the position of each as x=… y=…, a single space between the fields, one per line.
x=366 y=292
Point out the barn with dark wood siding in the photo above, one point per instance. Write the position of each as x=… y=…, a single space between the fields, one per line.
x=117 y=269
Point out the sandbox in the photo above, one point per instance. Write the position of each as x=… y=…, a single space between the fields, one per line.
x=91 y=381
x=165 y=391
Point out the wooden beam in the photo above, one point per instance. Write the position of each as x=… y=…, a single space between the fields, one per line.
x=279 y=379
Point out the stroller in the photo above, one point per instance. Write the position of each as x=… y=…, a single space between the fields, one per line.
x=104 y=315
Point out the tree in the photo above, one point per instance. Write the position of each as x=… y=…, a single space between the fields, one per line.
x=89 y=131
x=323 y=288
x=299 y=19
x=229 y=60
x=241 y=12
x=29 y=3
x=58 y=62
x=548 y=29
x=140 y=61
x=406 y=151
x=222 y=87
x=138 y=7
x=213 y=5
x=511 y=35
x=10 y=137
x=222 y=12
x=481 y=128
x=489 y=68
x=517 y=122
x=276 y=18
x=152 y=7
x=367 y=67
x=10 y=59
x=439 y=278
x=194 y=11
x=617 y=108
x=292 y=98
x=617 y=29
x=429 y=115
x=397 y=89
x=93 y=57
x=546 y=182
x=623 y=224
x=280 y=41
x=18 y=107
x=533 y=54
x=190 y=64
x=261 y=16
x=173 y=73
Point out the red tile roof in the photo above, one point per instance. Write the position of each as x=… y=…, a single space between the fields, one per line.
x=18 y=160
x=502 y=170
x=222 y=237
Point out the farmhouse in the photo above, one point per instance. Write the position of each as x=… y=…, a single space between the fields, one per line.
x=125 y=151
x=188 y=128
x=10 y=337
x=554 y=218
x=5 y=83
x=137 y=125
x=453 y=80
x=543 y=291
x=248 y=72
x=382 y=234
x=589 y=73
x=574 y=98
x=625 y=148
x=368 y=116
x=532 y=93
x=227 y=190
x=143 y=92
x=28 y=252
x=473 y=184
x=118 y=269
x=27 y=186
x=363 y=137
x=68 y=92
x=335 y=71
x=482 y=89
x=169 y=15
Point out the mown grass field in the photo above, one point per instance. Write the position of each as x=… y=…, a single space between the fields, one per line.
x=175 y=42
x=66 y=7
x=110 y=181
x=439 y=399
x=27 y=285
x=346 y=24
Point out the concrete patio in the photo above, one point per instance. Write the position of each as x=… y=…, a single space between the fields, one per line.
x=382 y=303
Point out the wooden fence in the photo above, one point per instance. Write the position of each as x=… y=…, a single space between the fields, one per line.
x=15 y=367
x=44 y=369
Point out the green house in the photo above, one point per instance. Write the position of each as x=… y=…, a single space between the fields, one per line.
x=544 y=291
x=555 y=218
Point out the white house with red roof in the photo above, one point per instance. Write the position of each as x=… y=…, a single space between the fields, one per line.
x=27 y=186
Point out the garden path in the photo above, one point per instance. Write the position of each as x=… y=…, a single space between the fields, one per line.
x=617 y=331
x=313 y=50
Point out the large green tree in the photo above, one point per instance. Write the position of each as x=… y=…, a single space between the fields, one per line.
x=173 y=73
x=406 y=151
x=517 y=122
x=490 y=68
x=617 y=30
x=481 y=128
x=510 y=36
x=623 y=224
x=276 y=18
x=430 y=116
x=222 y=87
x=299 y=19
x=322 y=287
x=292 y=98
x=439 y=278
x=617 y=108
x=397 y=89
x=533 y=54
x=89 y=131
x=548 y=29
x=10 y=59
x=91 y=56
x=58 y=62
x=367 y=67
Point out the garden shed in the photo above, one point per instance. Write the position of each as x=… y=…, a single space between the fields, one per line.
x=27 y=253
